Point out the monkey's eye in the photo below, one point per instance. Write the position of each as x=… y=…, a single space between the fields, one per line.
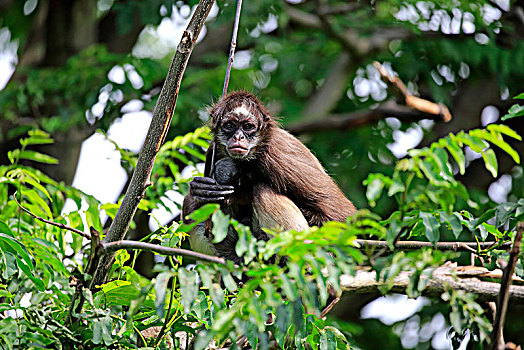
x=248 y=126
x=228 y=125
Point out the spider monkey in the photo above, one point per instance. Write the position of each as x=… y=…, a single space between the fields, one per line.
x=264 y=177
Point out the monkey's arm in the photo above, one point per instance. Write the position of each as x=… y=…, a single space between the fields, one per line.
x=199 y=239
x=276 y=211
x=203 y=190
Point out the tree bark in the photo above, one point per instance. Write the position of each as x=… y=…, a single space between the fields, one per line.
x=162 y=115
x=442 y=279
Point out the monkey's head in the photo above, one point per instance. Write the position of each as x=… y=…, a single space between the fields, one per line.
x=240 y=123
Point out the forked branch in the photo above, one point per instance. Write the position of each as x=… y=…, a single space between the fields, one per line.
x=401 y=93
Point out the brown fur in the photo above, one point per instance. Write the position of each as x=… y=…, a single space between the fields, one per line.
x=286 y=165
x=266 y=203
x=278 y=184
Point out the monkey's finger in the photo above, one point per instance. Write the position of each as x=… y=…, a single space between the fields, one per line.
x=210 y=187
x=210 y=194
x=208 y=200
x=204 y=180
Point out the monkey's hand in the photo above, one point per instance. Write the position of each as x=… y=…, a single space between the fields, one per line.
x=206 y=190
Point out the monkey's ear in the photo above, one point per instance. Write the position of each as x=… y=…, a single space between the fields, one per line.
x=213 y=119
x=214 y=116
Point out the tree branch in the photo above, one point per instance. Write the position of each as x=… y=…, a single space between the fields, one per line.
x=401 y=245
x=401 y=93
x=155 y=248
x=57 y=224
x=345 y=121
x=497 y=339
x=356 y=48
x=328 y=95
x=162 y=115
x=443 y=278
x=454 y=246
x=302 y=18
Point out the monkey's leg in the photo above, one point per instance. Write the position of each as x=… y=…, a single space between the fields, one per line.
x=204 y=244
x=276 y=211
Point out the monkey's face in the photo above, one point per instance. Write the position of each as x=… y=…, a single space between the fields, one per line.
x=239 y=133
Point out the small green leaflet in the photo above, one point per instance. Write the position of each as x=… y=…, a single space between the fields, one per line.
x=220 y=226
x=432 y=227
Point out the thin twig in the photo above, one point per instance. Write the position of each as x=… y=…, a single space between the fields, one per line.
x=79 y=283
x=57 y=224
x=232 y=49
x=330 y=307
x=497 y=339
x=210 y=163
x=149 y=247
x=160 y=334
x=402 y=245
x=414 y=245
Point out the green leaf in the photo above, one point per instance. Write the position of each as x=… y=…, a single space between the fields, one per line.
x=13 y=155
x=15 y=247
x=216 y=292
x=455 y=152
x=488 y=214
x=93 y=217
x=228 y=280
x=38 y=186
x=5 y=229
x=121 y=293
x=490 y=159
x=374 y=190
x=453 y=220
x=9 y=262
x=188 y=287
x=441 y=158
x=220 y=226
x=161 y=282
x=519 y=96
x=496 y=139
x=483 y=232
x=504 y=129
x=102 y=331
x=289 y=289
x=36 y=137
x=35 y=199
x=203 y=212
x=513 y=112
x=27 y=270
x=504 y=212
x=429 y=172
x=475 y=143
x=251 y=332
x=432 y=227
x=38 y=157
x=520 y=208
x=397 y=185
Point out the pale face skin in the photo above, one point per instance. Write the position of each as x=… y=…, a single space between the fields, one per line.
x=238 y=133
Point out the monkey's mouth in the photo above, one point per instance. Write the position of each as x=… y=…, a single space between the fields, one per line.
x=237 y=151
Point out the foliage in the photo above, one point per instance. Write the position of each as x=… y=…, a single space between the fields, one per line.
x=442 y=49
x=220 y=303
x=516 y=110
